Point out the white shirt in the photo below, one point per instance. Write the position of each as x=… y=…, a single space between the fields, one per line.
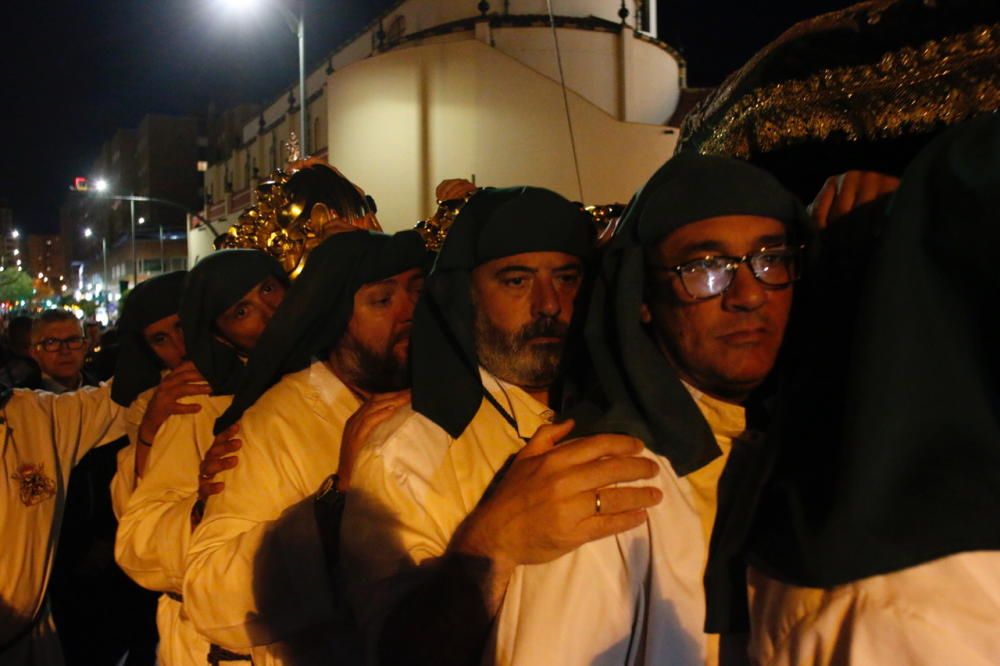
x=632 y=598
x=256 y=572
x=943 y=612
x=154 y=532
x=411 y=487
x=43 y=437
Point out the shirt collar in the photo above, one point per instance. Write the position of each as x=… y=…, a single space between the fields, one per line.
x=326 y=389
x=50 y=384
x=724 y=418
x=528 y=413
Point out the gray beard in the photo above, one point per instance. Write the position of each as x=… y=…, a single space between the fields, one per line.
x=511 y=356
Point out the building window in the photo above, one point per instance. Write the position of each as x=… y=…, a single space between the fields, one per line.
x=152 y=266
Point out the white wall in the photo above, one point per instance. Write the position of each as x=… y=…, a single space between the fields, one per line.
x=402 y=122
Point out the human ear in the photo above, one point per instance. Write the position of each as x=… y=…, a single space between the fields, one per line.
x=320 y=215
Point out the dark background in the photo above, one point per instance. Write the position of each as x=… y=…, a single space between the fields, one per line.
x=74 y=72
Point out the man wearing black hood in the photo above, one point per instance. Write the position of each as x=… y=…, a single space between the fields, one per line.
x=227 y=301
x=876 y=539
x=257 y=576
x=428 y=547
x=686 y=320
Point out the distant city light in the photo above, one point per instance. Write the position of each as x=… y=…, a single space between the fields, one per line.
x=88 y=232
x=15 y=234
x=101 y=185
x=142 y=220
x=16 y=252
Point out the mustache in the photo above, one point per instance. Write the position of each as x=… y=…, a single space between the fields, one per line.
x=543 y=327
x=749 y=320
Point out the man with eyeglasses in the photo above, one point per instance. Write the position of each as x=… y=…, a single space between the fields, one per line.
x=685 y=324
x=59 y=348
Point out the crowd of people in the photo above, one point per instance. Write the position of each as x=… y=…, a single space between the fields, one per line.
x=738 y=429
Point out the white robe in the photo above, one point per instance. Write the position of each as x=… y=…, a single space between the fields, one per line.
x=632 y=598
x=939 y=613
x=43 y=437
x=256 y=572
x=411 y=488
x=154 y=532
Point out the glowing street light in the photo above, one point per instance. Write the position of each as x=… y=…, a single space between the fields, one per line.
x=15 y=234
x=88 y=232
x=141 y=220
x=101 y=185
x=297 y=24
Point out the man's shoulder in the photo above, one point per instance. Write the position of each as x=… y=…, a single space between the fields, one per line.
x=406 y=442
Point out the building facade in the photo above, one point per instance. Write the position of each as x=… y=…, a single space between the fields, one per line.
x=113 y=243
x=437 y=89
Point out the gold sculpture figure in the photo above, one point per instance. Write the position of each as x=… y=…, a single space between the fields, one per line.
x=296 y=209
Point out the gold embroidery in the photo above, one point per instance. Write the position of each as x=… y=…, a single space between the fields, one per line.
x=909 y=91
x=35 y=486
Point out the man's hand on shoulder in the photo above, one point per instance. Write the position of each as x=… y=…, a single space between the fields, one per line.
x=359 y=427
x=554 y=499
x=843 y=193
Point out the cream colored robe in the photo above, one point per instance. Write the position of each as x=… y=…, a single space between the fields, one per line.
x=154 y=532
x=256 y=574
x=633 y=598
x=43 y=437
x=412 y=486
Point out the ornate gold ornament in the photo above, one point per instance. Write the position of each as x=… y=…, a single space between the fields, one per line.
x=278 y=222
x=434 y=229
x=36 y=487
x=912 y=90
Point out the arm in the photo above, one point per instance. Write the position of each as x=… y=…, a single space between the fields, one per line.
x=542 y=509
x=259 y=549
x=167 y=400
x=124 y=481
x=155 y=532
x=80 y=420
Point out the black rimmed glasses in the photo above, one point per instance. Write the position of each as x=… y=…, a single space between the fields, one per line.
x=55 y=344
x=710 y=276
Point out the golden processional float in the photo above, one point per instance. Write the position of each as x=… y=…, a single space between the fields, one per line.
x=297 y=208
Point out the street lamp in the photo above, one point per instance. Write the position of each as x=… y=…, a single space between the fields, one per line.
x=15 y=234
x=297 y=24
x=87 y=233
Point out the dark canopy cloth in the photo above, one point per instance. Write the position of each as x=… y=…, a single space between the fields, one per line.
x=495 y=223
x=642 y=392
x=318 y=307
x=138 y=368
x=860 y=88
x=215 y=283
x=887 y=439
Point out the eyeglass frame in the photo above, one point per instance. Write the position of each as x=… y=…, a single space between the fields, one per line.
x=62 y=342
x=794 y=251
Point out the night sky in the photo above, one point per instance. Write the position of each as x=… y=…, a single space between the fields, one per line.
x=74 y=72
